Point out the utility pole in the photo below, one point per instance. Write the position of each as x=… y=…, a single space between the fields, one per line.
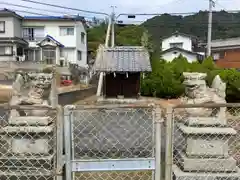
x=110 y=25
x=113 y=24
x=211 y=4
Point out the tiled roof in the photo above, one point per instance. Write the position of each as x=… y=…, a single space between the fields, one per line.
x=122 y=59
x=179 y=49
x=52 y=39
x=64 y=18
x=225 y=42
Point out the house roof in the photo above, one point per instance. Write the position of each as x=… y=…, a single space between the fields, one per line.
x=229 y=42
x=180 y=49
x=180 y=34
x=51 y=39
x=122 y=59
x=55 y=18
x=13 y=40
x=6 y=13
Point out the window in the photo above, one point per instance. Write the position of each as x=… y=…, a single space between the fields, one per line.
x=178 y=45
x=2 y=26
x=66 y=31
x=79 y=55
x=216 y=56
x=33 y=34
x=83 y=37
x=6 y=50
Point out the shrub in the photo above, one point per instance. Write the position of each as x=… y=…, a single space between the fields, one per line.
x=165 y=80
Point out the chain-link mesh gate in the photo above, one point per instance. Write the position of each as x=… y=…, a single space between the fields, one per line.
x=205 y=142
x=28 y=143
x=110 y=142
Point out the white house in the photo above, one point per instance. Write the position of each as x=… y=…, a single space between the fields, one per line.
x=61 y=39
x=179 y=43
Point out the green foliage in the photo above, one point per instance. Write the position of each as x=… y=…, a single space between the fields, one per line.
x=166 y=78
x=131 y=35
x=166 y=24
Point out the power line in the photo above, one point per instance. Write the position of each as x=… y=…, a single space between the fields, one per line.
x=39 y=9
x=35 y=13
x=58 y=6
x=29 y=12
x=121 y=14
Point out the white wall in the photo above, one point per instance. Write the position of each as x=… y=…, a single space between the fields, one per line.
x=69 y=54
x=17 y=27
x=81 y=46
x=169 y=56
x=13 y=27
x=9 y=28
x=7 y=58
x=187 y=42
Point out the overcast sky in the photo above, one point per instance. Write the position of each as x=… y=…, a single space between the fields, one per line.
x=131 y=6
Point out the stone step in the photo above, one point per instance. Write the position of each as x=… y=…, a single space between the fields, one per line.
x=225 y=131
x=206 y=165
x=178 y=174
x=204 y=121
x=25 y=164
x=27 y=129
x=30 y=121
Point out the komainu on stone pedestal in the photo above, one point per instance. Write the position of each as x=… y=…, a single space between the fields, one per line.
x=202 y=138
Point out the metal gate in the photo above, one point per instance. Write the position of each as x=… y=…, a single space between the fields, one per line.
x=112 y=142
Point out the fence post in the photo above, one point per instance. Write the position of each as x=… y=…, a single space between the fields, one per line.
x=169 y=143
x=60 y=120
x=67 y=141
x=158 y=122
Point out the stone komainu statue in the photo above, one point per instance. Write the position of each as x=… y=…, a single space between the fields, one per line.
x=197 y=92
x=32 y=89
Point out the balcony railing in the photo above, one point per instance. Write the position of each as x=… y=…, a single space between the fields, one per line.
x=30 y=38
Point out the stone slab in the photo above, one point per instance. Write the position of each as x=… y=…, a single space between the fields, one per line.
x=207 y=165
x=203 y=147
x=27 y=129
x=30 y=120
x=225 y=131
x=31 y=146
x=20 y=145
x=178 y=174
x=205 y=121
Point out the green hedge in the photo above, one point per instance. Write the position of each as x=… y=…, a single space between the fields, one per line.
x=165 y=81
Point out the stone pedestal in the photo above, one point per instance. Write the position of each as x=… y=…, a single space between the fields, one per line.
x=27 y=150
x=201 y=150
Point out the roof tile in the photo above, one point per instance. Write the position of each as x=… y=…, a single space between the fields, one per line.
x=122 y=59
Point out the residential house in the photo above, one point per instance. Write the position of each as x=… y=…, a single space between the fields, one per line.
x=60 y=39
x=226 y=52
x=179 y=43
x=122 y=66
x=11 y=41
x=50 y=39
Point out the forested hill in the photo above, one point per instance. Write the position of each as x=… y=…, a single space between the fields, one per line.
x=224 y=25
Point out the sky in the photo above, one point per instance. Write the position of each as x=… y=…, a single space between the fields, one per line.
x=128 y=6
